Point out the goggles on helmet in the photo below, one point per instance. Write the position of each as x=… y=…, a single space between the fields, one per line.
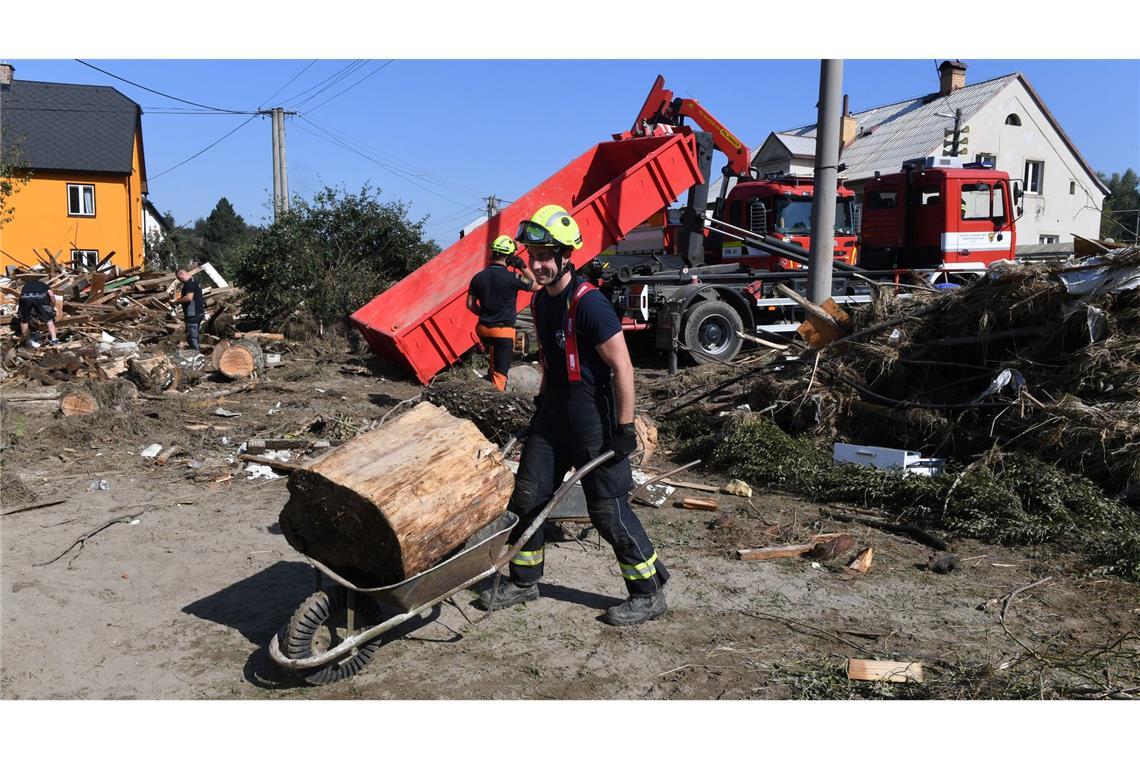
x=531 y=233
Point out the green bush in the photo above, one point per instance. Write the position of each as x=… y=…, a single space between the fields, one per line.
x=326 y=257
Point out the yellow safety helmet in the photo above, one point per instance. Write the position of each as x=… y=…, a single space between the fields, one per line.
x=503 y=246
x=551 y=225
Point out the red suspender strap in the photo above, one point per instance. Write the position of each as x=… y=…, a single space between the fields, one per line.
x=573 y=366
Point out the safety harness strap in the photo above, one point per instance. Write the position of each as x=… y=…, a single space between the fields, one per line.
x=573 y=365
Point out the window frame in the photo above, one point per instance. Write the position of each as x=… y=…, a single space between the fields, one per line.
x=79 y=186
x=1040 y=177
x=1056 y=239
x=1012 y=120
x=89 y=253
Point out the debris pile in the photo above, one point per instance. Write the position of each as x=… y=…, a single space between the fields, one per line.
x=105 y=319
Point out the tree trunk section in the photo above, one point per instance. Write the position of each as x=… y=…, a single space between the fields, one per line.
x=78 y=403
x=155 y=374
x=395 y=501
x=238 y=359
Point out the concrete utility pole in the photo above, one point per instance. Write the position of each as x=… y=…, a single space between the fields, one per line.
x=280 y=168
x=826 y=180
x=492 y=205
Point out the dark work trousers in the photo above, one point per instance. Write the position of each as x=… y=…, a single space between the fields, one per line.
x=192 y=328
x=569 y=434
x=501 y=343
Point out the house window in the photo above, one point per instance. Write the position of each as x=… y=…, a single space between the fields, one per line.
x=1072 y=187
x=1034 y=176
x=987 y=158
x=1048 y=239
x=81 y=200
x=86 y=258
x=1013 y=120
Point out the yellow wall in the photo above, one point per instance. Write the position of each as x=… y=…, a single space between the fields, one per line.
x=40 y=219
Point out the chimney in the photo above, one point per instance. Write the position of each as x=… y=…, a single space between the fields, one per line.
x=951 y=76
x=847 y=125
x=6 y=72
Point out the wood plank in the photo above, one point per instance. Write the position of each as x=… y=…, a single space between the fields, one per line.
x=690 y=486
x=884 y=670
x=278 y=465
x=775 y=552
x=708 y=505
x=862 y=561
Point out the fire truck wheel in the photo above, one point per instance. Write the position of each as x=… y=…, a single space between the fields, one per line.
x=710 y=332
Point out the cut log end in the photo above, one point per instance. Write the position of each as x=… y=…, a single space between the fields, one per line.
x=78 y=403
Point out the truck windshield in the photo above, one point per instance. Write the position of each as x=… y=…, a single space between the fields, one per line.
x=793 y=216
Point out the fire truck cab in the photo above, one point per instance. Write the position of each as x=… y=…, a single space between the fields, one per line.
x=781 y=206
x=939 y=212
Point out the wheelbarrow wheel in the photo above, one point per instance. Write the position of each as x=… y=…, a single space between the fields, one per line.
x=319 y=624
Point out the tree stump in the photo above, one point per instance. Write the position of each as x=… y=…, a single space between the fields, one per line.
x=237 y=359
x=394 y=501
x=77 y=403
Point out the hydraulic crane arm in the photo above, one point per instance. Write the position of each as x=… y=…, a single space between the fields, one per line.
x=662 y=108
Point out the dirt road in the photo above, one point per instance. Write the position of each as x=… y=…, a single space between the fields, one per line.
x=181 y=600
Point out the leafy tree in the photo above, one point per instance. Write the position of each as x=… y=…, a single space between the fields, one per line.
x=14 y=173
x=221 y=232
x=177 y=247
x=1121 y=216
x=326 y=257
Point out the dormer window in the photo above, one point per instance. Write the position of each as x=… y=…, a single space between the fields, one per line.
x=1013 y=120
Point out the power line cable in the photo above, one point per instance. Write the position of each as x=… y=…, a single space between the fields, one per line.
x=318 y=84
x=291 y=81
x=346 y=89
x=211 y=145
x=333 y=81
x=420 y=173
x=381 y=164
x=156 y=92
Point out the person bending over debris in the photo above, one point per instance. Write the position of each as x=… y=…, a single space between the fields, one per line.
x=492 y=296
x=585 y=361
x=193 y=306
x=38 y=302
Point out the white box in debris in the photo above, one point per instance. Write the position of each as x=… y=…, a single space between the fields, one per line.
x=882 y=458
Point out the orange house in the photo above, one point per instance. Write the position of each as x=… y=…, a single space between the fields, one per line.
x=83 y=146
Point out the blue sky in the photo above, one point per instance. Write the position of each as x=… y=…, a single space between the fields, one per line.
x=443 y=134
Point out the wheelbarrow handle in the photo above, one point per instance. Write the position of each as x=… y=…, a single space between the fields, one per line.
x=559 y=497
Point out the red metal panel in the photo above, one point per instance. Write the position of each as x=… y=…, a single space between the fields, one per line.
x=609 y=190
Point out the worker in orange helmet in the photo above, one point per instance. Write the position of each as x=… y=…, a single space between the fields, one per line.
x=584 y=408
x=492 y=296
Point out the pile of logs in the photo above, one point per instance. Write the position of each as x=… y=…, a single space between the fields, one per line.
x=116 y=322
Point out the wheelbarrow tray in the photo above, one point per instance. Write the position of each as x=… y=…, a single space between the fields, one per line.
x=474 y=562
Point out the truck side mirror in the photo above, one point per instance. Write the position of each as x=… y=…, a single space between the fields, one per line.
x=1018 y=193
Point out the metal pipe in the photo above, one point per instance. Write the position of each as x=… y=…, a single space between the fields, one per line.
x=826 y=180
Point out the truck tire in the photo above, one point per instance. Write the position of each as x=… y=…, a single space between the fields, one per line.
x=710 y=332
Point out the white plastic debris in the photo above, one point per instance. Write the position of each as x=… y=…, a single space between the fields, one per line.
x=98 y=485
x=220 y=412
x=151 y=451
x=225 y=440
x=276 y=408
x=656 y=494
x=271 y=359
x=263 y=471
x=135 y=521
x=816 y=566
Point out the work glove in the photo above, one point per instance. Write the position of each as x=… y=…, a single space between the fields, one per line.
x=624 y=441
x=516 y=262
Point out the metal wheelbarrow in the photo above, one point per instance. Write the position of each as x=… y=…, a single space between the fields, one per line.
x=335 y=632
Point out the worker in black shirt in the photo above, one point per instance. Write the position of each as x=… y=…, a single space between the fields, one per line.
x=493 y=296
x=37 y=302
x=584 y=408
x=193 y=306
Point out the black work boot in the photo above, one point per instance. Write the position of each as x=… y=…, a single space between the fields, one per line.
x=508 y=595
x=637 y=609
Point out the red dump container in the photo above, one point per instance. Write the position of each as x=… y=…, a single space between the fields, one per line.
x=423 y=322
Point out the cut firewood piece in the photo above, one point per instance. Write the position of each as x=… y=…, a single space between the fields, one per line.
x=884 y=670
x=396 y=500
x=775 y=552
x=831 y=545
x=156 y=373
x=166 y=454
x=689 y=502
x=862 y=561
x=646 y=431
x=258 y=335
x=239 y=359
x=78 y=403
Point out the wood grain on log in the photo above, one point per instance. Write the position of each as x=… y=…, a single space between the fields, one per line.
x=394 y=501
x=78 y=403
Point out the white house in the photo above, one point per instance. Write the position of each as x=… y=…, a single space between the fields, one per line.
x=1003 y=120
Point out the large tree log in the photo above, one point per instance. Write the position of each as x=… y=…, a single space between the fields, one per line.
x=394 y=501
x=156 y=373
x=238 y=359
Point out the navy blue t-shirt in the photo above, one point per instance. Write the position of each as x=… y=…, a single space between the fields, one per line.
x=496 y=289
x=193 y=311
x=597 y=322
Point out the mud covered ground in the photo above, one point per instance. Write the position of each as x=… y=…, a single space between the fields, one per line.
x=181 y=600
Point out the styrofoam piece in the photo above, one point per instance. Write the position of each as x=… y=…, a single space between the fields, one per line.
x=883 y=458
